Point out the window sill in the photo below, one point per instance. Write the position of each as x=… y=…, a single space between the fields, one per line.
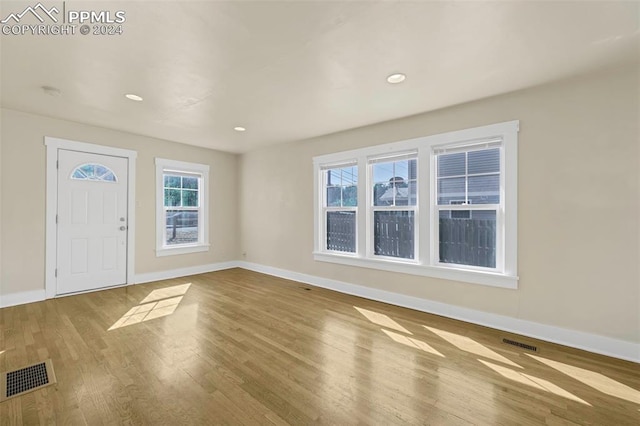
x=447 y=273
x=183 y=249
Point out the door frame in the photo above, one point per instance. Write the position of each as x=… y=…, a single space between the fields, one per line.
x=53 y=145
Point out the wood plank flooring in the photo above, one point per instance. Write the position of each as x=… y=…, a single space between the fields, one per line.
x=241 y=348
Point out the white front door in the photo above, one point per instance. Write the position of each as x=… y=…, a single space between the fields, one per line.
x=92 y=221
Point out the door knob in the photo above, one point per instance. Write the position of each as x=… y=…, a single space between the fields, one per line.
x=123 y=228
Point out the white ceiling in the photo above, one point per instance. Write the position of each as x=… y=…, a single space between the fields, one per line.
x=293 y=70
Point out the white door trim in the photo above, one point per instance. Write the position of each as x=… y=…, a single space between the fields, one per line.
x=53 y=145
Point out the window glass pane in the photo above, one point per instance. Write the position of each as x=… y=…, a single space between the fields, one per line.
x=413 y=192
x=451 y=164
x=333 y=196
x=189 y=198
x=400 y=191
x=87 y=169
x=94 y=172
x=181 y=227
x=484 y=161
x=342 y=187
x=394 y=233
x=391 y=183
x=171 y=181
x=341 y=231
x=350 y=196
x=382 y=172
x=380 y=189
x=349 y=176
x=451 y=190
x=386 y=194
x=78 y=174
x=171 y=197
x=100 y=170
x=468 y=240
x=401 y=170
x=190 y=182
x=484 y=189
x=334 y=177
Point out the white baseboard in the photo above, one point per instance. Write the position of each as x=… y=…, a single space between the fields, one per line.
x=183 y=272
x=21 y=298
x=590 y=342
x=577 y=339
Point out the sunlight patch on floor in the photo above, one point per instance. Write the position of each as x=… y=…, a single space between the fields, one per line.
x=411 y=342
x=147 y=312
x=159 y=303
x=469 y=345
x=167 y=292
x=533 y=381
x=382 y=320
x=595 y=380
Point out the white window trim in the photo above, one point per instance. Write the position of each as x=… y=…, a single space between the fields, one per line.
x=162 y=165
x=371 y=209
x=424 y=264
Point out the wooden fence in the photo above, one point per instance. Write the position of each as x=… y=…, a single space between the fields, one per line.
x=394 y=234
x=462 y=241
x=341 y=231
x=468 y=242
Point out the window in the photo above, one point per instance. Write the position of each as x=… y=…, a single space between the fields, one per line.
x=442 y=206
x=340 y=205
x=96 y=172
x=181 y=207
x=468 y=204
x=394 y=195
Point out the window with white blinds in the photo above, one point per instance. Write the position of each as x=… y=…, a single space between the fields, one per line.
x=443 y=206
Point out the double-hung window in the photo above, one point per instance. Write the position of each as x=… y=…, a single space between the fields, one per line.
x=394 y=203
x=339 y=207
x=468 y=205
x=443 y=206
x=181 y=207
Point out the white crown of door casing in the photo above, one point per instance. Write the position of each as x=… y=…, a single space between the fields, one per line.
x=53 y=145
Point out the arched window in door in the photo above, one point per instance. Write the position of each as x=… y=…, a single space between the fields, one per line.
x=91 y=171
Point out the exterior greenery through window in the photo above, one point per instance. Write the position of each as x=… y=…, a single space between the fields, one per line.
x=442 y=205
x=182 y=207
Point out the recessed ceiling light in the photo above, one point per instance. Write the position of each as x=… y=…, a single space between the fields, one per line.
x=239 y=129
x=133 y=97
x=396 y=78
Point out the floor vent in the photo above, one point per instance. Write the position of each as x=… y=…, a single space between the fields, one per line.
x=520 y=345
x=26 y=379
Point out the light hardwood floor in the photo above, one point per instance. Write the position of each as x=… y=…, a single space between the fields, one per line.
x=238 y=347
